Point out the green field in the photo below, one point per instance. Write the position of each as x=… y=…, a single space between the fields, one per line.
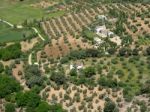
x=134 y=70
x=16 y=12
x=8 y=34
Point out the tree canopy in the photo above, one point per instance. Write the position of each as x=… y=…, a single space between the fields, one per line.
x=89 y=71
x=33 y=103
x=33 y=76
x=9 y=107
x=10 y=52
x=58 y=77
x=110 y=107
x=8 y=85
x=30 y=99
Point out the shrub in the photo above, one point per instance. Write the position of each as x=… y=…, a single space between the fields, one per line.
x=114 y=61
x=103 y=81
x=89 y=71
x=110 y=107
x=58 y=78
x=73 y=72
x=120 y=73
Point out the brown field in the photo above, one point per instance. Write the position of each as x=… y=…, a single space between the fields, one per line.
x=17 y=72
x=73 y=23
x=44 y=4
x=27 y=45
x=60 y=47
x=82 y=98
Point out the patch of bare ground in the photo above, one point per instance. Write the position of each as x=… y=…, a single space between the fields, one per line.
x=99 y=10
x=2 y=106
x=63 y=45
x=38 y=55
x=78 y=98
x=27 y=45
x=56 y=26
x=60 y=21
x=84 y=19
x=143 y=25
x=88 y=15
x=7 y=63
x=68 y=24
x=135 y=8
x=75 y=22
x=124 y=8
x=134 y=104
x=43 y=4
x=140 y=25
x=46 y=30
x=17 y=72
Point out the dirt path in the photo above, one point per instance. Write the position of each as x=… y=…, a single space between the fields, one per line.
x=30 y=59
x=6 y=22
x=20 y=26
x=36 y=31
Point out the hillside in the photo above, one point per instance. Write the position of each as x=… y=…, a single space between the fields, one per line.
x=74 y=56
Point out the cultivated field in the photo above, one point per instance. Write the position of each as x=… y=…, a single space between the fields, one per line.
x=74 y=55
x=17 y=12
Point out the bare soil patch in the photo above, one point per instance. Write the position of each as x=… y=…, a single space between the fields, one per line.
x=27 y=45
x=60 y=48
x=44 y=4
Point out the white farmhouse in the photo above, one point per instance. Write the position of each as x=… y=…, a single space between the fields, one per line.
x=102 y=17
x=101 y=31
x=76 y=66
x=110 y=34
x=71 y=67
x=79 y=67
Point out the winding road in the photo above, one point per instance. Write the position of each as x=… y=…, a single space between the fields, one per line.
x=30 y=59
x=20 y=26
x=35 y=30
x=6 y=22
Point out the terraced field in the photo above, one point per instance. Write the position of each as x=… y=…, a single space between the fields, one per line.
x=73 y=23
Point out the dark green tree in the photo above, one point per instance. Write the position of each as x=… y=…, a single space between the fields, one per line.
x=43 y=107
x=29 y=99
x=11 y=52
x=58 y=77
x=73 y=72
x=110 y=107
x=8 y=85
x=33 y=76
x=89 y=71
x=9 y=107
